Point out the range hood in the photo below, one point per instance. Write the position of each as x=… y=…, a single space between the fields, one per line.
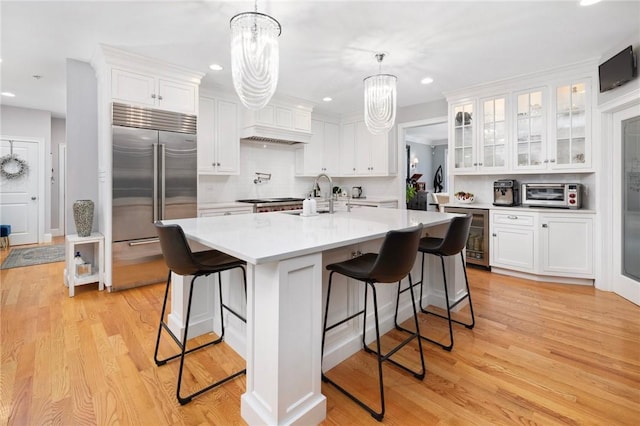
x=271 y=134
x=277 y=123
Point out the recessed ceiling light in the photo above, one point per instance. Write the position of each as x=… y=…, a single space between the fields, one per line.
x=327 y=99
x=8 y=94
x=588 y=2
x=216 y=67
x=426 y=80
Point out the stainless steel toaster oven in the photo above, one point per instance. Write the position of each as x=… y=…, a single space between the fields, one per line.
x=560 y=195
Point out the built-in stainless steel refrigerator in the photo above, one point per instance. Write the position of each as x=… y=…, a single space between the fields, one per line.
x=154 y=178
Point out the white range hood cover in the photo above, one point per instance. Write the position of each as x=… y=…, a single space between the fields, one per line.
x=263 y=133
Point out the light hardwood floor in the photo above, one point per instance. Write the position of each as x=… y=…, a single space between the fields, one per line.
x=539 y=354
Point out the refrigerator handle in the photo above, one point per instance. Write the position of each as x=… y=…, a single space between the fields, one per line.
x=155 y=183
x=162 y=185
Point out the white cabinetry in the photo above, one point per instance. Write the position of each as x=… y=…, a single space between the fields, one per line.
x=553 y=244
x=493 y=134
x=321 y=154
x=480 y=141
x=570 y=141
x=513 y=241
x=530 y=130
x=536 y=123
x=278 y=121
x=363 y=153
x=463 y=141
x=147 y=90
x=566 y=244
x=218 y=142
x=348 y=150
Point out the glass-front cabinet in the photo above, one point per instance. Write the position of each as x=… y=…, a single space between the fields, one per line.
x=463 y=136
x=493 y=133
x=530 y=130
x=571 y=142
x=524 y=126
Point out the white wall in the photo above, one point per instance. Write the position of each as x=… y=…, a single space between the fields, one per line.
x=423 y=111
x=32 y=123
x=82 y=138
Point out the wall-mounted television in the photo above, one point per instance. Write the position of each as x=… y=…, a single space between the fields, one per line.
x=617 y=70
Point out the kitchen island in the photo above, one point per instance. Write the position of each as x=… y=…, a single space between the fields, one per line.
x=284 y=254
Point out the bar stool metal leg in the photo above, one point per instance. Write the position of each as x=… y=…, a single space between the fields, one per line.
x=183 y=344
x=450 y=320
x=380 y=358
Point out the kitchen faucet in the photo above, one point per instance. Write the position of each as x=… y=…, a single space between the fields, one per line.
x=321 y=175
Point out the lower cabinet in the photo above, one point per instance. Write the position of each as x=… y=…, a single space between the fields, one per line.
x=550 y=244
x=513 y=241
x=566 y=245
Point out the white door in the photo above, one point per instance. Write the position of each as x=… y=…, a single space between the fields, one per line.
x=626 y=203
x=19 y=196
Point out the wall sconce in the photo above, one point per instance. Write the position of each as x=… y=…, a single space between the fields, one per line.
x=414 y=162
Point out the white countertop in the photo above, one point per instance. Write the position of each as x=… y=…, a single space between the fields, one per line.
x=268 y=237
x=518 y=208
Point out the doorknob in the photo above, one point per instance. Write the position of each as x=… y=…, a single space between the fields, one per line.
x=33 y=198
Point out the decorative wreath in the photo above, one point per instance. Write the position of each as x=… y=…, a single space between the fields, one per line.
x=12 y=167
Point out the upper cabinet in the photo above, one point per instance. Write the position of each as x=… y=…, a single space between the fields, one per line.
x=462 y=121
x=479 y=141
x=545 y=127
x=320 y=155
x=363 y=153
x=345 y=150
x=571 y=132
x=530 y=130
x=218 y=142
x=146 y=82
x=152 y=91
x=492 y=143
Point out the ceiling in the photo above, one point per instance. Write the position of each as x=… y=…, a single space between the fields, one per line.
x=326 y=47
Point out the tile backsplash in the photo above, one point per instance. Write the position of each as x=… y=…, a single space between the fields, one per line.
x=482 y=186
x=279 y=161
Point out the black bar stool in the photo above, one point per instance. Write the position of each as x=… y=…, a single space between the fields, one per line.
x=453 y=242
x=181 y=260
x=392 y=264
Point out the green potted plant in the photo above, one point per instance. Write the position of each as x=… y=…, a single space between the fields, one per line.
x=411 y=192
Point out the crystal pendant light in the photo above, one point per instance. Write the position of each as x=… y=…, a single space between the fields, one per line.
x=380 y=100
x=254 y=57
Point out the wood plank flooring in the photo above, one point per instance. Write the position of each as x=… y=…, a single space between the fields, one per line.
x=540 y=354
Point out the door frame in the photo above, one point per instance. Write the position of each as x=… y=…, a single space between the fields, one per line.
x=606 y=269
x=402 y=166
x=40 y=143
x=62 y=189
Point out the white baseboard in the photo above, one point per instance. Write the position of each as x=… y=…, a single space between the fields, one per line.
x=543 y=278
x=57 y=232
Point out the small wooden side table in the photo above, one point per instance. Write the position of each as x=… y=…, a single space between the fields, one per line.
x=97 y=269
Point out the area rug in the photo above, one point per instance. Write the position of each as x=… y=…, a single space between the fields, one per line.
x=19 y=257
